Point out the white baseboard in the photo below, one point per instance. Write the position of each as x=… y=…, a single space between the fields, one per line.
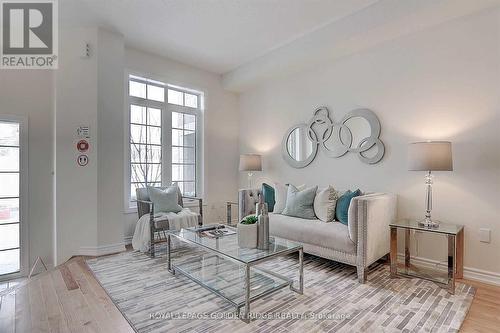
x=127 y=240
x=95 y=251
x=469 y=272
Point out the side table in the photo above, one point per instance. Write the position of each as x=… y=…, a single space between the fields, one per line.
x=455 y=236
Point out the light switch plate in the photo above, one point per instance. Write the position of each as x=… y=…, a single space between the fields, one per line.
x=485 y=235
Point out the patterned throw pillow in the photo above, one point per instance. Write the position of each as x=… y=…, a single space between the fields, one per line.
x=325 y=203
x=300 y=203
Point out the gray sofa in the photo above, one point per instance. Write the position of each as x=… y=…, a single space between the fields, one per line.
x=362 y=242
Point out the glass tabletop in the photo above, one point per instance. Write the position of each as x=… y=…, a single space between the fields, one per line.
x=228 y=245
x=442 y=228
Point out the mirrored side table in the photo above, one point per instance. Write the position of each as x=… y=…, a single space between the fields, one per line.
x=455 y=237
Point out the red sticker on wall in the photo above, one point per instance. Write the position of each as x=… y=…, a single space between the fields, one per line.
x=82 y=146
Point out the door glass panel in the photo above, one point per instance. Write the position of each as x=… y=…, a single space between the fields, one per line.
x=9 y=210
x=10 y=258
x=9 y=134
x=9 y=261
x=9 y=236
x=9 y=159
x=9 y=185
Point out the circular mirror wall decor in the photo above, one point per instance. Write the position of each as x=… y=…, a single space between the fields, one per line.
x=358 y=132
x=299 y=147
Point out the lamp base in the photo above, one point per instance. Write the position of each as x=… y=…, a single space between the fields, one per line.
x=429 y=223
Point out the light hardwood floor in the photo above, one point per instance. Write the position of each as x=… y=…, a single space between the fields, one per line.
x=69 y=299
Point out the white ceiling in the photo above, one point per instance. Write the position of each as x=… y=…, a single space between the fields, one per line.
x=216 y=35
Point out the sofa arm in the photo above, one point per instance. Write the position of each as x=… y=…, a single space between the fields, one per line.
x=247 y=199
x=368 y=223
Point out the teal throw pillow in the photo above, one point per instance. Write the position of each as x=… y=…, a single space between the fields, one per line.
x=165 y=201
x=268 y=193
x=342 y=209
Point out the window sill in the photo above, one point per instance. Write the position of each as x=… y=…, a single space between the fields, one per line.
x=191 y=204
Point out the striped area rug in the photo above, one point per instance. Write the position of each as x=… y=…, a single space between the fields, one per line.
x=154 y=300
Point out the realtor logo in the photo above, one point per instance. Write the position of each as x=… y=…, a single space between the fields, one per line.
x=29 y=34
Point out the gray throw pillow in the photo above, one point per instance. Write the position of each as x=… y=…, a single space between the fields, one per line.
x=165 y=201
x=300 y=203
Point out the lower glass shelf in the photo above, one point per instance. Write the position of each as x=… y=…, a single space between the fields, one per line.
x=227 y=279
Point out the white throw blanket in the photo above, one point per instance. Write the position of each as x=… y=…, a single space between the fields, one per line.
x=142 y=236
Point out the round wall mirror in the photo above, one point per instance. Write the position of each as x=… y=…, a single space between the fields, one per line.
x=298 y=145
x=298 y=149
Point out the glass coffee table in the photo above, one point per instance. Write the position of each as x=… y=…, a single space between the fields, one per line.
x=231 y=272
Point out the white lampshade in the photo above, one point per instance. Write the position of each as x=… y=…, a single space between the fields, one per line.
x=430 y=156
x=250 y=162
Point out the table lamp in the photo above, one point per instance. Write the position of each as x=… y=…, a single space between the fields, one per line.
x=430 y=156
x=250 y=163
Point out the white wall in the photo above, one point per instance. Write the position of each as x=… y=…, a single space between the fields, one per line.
x=440 y=83
x=221 y=150
x=29 y=93
x=90 y=91
x=76 y=105
x=111 y=115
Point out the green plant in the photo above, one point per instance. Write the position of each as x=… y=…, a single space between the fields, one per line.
x=249 y=220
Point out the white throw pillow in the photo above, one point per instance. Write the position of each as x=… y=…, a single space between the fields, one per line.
x=325 y=203
x=165 y=201
x=280 y=192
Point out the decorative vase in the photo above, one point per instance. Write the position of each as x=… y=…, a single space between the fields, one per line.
x=247 y=235
x=262 y=226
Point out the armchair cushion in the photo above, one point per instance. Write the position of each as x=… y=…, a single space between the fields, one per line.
x=165 y=201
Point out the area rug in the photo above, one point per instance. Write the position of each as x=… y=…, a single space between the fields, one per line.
x=154 y=300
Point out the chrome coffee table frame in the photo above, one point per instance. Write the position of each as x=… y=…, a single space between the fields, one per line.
x=287 y=282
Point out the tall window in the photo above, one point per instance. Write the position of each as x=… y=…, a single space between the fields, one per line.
x=164 y=136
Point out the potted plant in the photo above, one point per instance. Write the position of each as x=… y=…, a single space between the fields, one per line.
x=247 y=232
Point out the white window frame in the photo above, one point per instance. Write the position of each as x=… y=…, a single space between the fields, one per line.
x=166 y=138
x=23 y=196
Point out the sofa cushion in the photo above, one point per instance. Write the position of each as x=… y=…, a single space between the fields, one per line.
x=342 y=209
x=324 y=204
x=315 y=232
x=280 y=197
x=268 y=193
x=300 y=203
